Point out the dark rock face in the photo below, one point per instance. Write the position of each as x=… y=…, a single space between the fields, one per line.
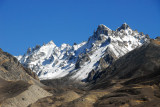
x=91 y=76
x=109 y=56
x=102 y=29
x=81 y=60
x=103 y=64
x=124 y=27
x=11 y=69
x=29 y=50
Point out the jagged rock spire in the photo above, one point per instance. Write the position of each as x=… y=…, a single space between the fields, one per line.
x=124 y=26
x=102 y=29
x=29 y=50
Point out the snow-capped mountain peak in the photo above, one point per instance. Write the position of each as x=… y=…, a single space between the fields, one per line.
x=50 y=61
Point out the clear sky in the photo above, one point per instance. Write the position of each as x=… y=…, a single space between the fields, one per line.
x=25 y=23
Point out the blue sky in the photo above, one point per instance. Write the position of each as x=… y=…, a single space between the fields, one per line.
x=25 y=23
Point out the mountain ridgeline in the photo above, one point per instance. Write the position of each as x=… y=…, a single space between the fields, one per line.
x=76 y=62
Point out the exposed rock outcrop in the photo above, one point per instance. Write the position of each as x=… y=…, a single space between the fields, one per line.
x=12 y=70
x=81 y=60
x=124 y=27
x=19 y=86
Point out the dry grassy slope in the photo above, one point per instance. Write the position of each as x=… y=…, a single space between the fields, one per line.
x=128 y=96
x=10 y=89
x=58 y=100
x=19 y=87
x=27 y=97
x=155 y=41
x=19 y=93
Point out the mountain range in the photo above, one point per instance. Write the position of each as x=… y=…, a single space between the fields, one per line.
x=118 y=68
x=50 y=61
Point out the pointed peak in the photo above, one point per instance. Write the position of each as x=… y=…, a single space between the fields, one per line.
x=124 y=23
x=103 y=27
x=51 y=43
x=124 y=26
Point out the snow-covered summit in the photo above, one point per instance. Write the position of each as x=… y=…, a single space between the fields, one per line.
x=50 y=61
